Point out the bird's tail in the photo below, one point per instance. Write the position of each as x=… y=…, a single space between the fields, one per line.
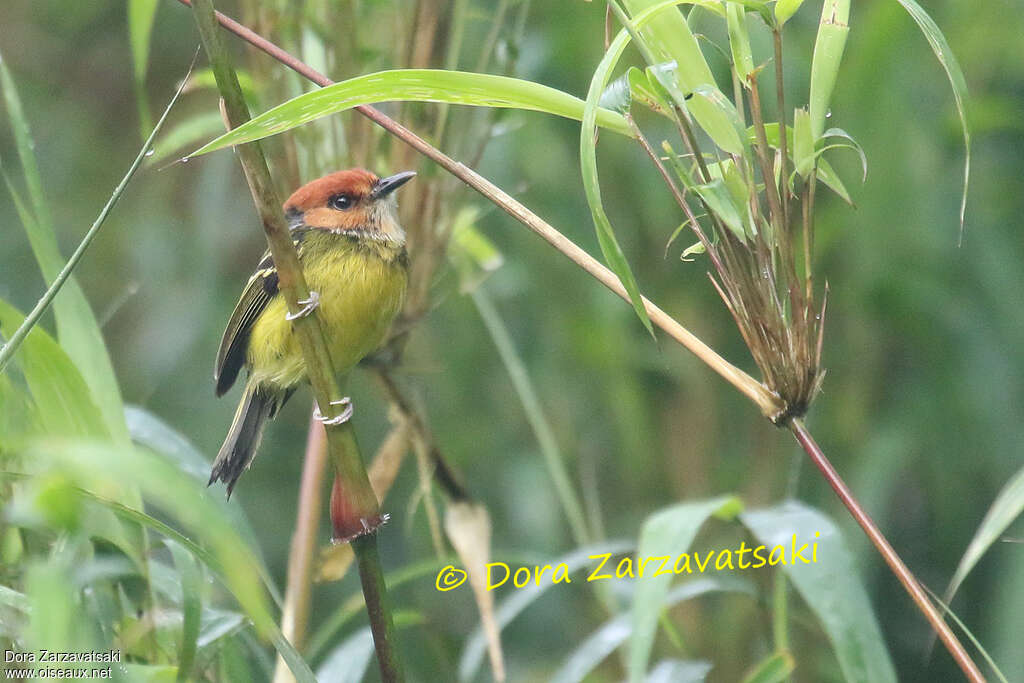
x=257 y=404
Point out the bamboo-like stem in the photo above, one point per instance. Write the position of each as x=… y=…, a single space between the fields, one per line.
x=906 y=577
x=298 y=592
x=375 y=594
x=767 y=402
x=342 y=445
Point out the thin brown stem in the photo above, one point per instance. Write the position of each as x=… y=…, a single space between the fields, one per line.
x=909 y=581
x=781 y=98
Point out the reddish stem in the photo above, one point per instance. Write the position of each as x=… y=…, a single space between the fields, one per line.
x=905 y=576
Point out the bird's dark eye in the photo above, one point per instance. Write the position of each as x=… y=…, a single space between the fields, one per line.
x=341 y=202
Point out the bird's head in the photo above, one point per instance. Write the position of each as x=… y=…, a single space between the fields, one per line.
x=354 y=200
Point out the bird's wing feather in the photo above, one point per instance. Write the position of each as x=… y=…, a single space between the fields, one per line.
x=261 y=288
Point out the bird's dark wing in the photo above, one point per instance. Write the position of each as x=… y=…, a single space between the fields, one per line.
x=260 y=289
x=262 y=286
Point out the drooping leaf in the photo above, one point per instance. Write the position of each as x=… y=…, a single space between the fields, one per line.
x=1007 y=507
x=413 y=85
x=609 y=244
x=63 y=403
x=828 y=582
x=602 y=642
x=667 y=532
x=511 y=607
x=957 y=82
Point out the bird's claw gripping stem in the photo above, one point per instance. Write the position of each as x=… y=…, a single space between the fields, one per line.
x=343 y=417
x=307 y=306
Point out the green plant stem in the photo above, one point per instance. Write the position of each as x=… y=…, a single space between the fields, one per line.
x=342 y=445
x=571 y=504
x=906 y=577
x=767 y=402
x=375 y=594
x=10 y=348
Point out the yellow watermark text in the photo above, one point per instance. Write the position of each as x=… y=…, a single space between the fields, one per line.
x=607 y=567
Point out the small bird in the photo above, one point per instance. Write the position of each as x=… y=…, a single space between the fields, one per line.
x=352 y=252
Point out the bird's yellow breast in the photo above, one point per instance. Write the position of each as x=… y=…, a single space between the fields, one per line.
x=361 y=282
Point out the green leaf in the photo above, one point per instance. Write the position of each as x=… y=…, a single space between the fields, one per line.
x=667 y=532
x=602 y=642
x=472 y=253
x=772 y=669
x=784 y=9
x=63 y=403
x=349 y=661
x=77 y=329
x=592 y=187
x=191 y=608
x=695 y=249
x=826 y=174
x=670 y=40
x=14 y=599
x=56 y=619
x=828 y=53
x=679 y=671
x=720 y=201
x=186 y=134
x=141 y=15
x=803 y=143
x=1008 y=506
x=511 y=607
x=957 y=81
x=150 y=673
x=829 y=585
x=414 y=85
x=853 y=144
x=739 y=40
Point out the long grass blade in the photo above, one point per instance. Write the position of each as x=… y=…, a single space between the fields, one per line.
x=957 y=82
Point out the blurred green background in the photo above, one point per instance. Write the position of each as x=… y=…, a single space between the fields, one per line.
x=922 y=408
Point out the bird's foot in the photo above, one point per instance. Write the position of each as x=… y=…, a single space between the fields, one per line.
x=307 y=306
x=342 y=418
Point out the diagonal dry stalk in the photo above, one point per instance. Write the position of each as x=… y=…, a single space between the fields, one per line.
x=768 y=401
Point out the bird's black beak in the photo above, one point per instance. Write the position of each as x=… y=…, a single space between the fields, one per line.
x=385 y=186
